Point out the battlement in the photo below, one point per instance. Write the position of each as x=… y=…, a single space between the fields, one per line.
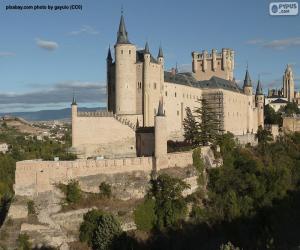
x=220 y=64
x=95 y=114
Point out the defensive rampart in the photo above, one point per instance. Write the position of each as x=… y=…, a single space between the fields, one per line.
x=33 y=176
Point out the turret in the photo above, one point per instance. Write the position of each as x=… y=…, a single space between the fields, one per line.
x=160 y=56
x=109 y=57
x=74 y=118
x=146 y=69
x=259 y=101
x=109 y=82
x=125 y=72
x=160 y=128
x=247 y=84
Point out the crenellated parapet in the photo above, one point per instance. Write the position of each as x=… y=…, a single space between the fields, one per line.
x=205 y=65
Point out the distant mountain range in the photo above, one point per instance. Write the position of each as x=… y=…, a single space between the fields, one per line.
x=48 y=115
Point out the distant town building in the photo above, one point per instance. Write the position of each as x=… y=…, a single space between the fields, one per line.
x=280 y=97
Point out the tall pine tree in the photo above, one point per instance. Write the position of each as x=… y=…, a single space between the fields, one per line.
x=191 y=127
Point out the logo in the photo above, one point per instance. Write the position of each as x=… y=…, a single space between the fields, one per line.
x=283 y=8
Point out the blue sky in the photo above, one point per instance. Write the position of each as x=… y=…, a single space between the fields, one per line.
x=45 y=54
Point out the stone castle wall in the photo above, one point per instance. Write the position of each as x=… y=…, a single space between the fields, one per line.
x=33 y=176
x=94 y=135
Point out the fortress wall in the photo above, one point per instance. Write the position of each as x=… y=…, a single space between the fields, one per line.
x=102 y=136
x=235 y=115
x=175 y=106
x=34 y=176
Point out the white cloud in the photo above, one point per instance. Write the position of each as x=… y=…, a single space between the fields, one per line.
x=283 y=43
x=47 y=45
x=62 y=92
x=6 y=54
x=255 y=41
x=85 y=29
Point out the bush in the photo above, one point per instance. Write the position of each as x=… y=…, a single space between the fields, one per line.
x=89 y=225
x=72 y=192
x=30 y=207
x=23 y=242
x=99 y=229
x=108 y=229
x=105 y=189
x=144 y=216
x=170 y=206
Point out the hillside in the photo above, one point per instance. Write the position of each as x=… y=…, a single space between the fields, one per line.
x=48 y=115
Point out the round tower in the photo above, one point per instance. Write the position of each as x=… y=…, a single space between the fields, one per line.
x=160 y=130
x=74 y=119
x=146 y=73
x=125 y=75
x=259 y=101
x=288 y=84
x=247 y=84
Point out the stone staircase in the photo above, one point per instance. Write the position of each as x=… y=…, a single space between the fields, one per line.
x=119 y=118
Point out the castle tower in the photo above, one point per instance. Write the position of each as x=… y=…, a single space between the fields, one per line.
x=160 y=128
x=110 y=83
x=125 y=72
x=74 y=116
x=247 y=87
x=161 y=61
x=288 y=84
x=259 y=101
x=206 y=65
x=146 y=100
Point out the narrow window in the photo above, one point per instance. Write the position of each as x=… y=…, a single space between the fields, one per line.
x=122 y=52
x=166 y=93
x=175 y=94
x=154 y=86
x=129 y=52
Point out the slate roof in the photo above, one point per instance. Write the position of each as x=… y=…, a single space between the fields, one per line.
x=214 y=82
x=140 y=56
x=279 y=100
x=122 y=33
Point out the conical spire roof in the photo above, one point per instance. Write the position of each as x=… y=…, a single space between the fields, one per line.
x=160 y=52
x=160 y=111
x=74 y=100
x=122 y=33
x=147 y=48
x=247 y=81
x=259 y=90
x=109 y=57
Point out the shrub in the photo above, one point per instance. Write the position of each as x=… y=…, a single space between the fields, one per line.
x=89 y=225
x=105 y=189
x=199 y=165
x=99 y=229
x=108 y=229
x=23 y=242
x=73 y=193
x=30 y=207
x=144 y=216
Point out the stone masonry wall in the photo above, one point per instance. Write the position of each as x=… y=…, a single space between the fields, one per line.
x=33 y=177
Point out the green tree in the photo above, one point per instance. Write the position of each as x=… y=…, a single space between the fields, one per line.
x=89 y=225
x=105 y=189
x=209 y=125
x=271 y=116
x=264 y=137
x=73 y=193
x=144 y=215
x=290 y=108
x=170 y=205
x=108 y=229
x=191 y=127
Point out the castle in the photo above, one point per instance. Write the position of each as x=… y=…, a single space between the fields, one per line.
x=146 y=105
